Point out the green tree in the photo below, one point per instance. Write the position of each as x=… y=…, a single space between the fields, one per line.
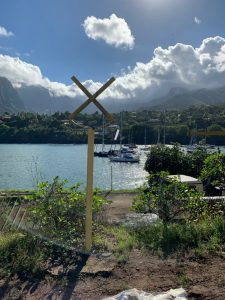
x=169 y=198
x=213 y=171
x=196 y=160
x=161 y=158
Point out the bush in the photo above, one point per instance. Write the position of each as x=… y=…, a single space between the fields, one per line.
x=20 y=253
x=196 y=160
x=175 y=161
x=213 y=171
x=162 y=158
x=58 y=213
x=208 y=235
x=169 y=198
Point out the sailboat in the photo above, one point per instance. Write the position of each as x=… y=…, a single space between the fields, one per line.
x=103 y=152
x=124 y=156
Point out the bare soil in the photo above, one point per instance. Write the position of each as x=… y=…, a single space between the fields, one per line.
x=202 y=278
x=120 y=206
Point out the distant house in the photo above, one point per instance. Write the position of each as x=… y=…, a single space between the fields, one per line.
x=154 y=121
x=5 y=118
x=190 y=181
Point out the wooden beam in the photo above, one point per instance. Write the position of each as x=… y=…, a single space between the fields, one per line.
x=92 y=98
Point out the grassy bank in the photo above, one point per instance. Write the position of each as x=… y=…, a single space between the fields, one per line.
x=23 y=253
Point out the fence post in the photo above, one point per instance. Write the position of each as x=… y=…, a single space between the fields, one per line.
x=111 y=178
x=89 y=201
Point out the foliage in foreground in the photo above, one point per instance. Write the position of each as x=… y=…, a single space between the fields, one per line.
x=213 y=171
x=187 y=221
x=20 y=253
x=26 y=255
x=58 y=212
x=205 y=236
x=54 y=228
x=169 y=199
x=125 y=242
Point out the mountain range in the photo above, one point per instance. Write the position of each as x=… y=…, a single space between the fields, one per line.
x=38 y=99
x=10 y=100
x=181 y=98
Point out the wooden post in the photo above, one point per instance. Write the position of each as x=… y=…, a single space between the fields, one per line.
x=89 y=201
x=111 y=179
x=90 y=160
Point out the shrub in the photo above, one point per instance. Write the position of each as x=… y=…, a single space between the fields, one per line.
x=208 y=235
x=58 y=213
x=20 y=253
x=175 y=161
x=169 y=198
x=213 y=170
x=162 y=158
x=196 y=160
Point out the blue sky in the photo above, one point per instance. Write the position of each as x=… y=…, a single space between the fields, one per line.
x=50 y=35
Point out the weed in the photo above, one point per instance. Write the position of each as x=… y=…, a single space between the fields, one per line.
x=205 y=236
x=20 y=253
x=125 y=242
x=184 y=280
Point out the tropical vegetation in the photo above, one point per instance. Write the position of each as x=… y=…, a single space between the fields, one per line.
x=170 y=126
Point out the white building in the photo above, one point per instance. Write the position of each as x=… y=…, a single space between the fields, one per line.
x=190 y=181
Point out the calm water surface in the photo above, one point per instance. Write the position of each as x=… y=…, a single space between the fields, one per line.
x=22 y=166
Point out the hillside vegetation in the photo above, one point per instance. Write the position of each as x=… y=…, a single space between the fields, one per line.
x=173 y=124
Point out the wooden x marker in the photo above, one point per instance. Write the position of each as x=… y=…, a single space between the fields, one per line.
x=90 y=157
x=92 y=98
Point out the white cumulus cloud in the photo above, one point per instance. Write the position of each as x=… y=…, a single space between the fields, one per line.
x=113 y=30
x=21 y=73
x=178 y=65
x=5 y=33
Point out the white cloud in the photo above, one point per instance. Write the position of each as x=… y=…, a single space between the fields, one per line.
x=220 y=59
x=5 y=33
x=178 y=65
x=113 y=30
x=21 y=73
x=197 y=20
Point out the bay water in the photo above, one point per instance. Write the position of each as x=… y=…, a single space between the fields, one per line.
x=22 y=166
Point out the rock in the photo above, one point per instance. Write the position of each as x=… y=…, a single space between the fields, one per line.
x=198 y=291
x=136 y=219
x=134 y=294
x=105 y=255
x=56 y=271
x=96 y=266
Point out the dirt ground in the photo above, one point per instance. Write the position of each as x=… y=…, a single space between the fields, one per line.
x=202 y=279
x=120 y=206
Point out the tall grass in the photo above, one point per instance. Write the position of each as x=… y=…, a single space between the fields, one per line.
x=124 y=242
x=208 y=235
x=19 y=253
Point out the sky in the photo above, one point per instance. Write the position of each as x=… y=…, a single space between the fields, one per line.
x=148 y=45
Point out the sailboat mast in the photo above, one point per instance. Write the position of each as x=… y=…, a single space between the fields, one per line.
x=158 y=137
x=121 y=129
x=103 y=133
x=145 y=136
x=164 y=127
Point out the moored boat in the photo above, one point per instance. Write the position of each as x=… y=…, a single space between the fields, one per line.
x=125 y=157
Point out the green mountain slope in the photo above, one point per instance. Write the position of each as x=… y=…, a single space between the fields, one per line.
x=9 y=99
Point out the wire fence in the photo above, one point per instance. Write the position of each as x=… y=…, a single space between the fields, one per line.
x=66 y=229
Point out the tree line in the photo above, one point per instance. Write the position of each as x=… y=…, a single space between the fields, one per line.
x=148 y=126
